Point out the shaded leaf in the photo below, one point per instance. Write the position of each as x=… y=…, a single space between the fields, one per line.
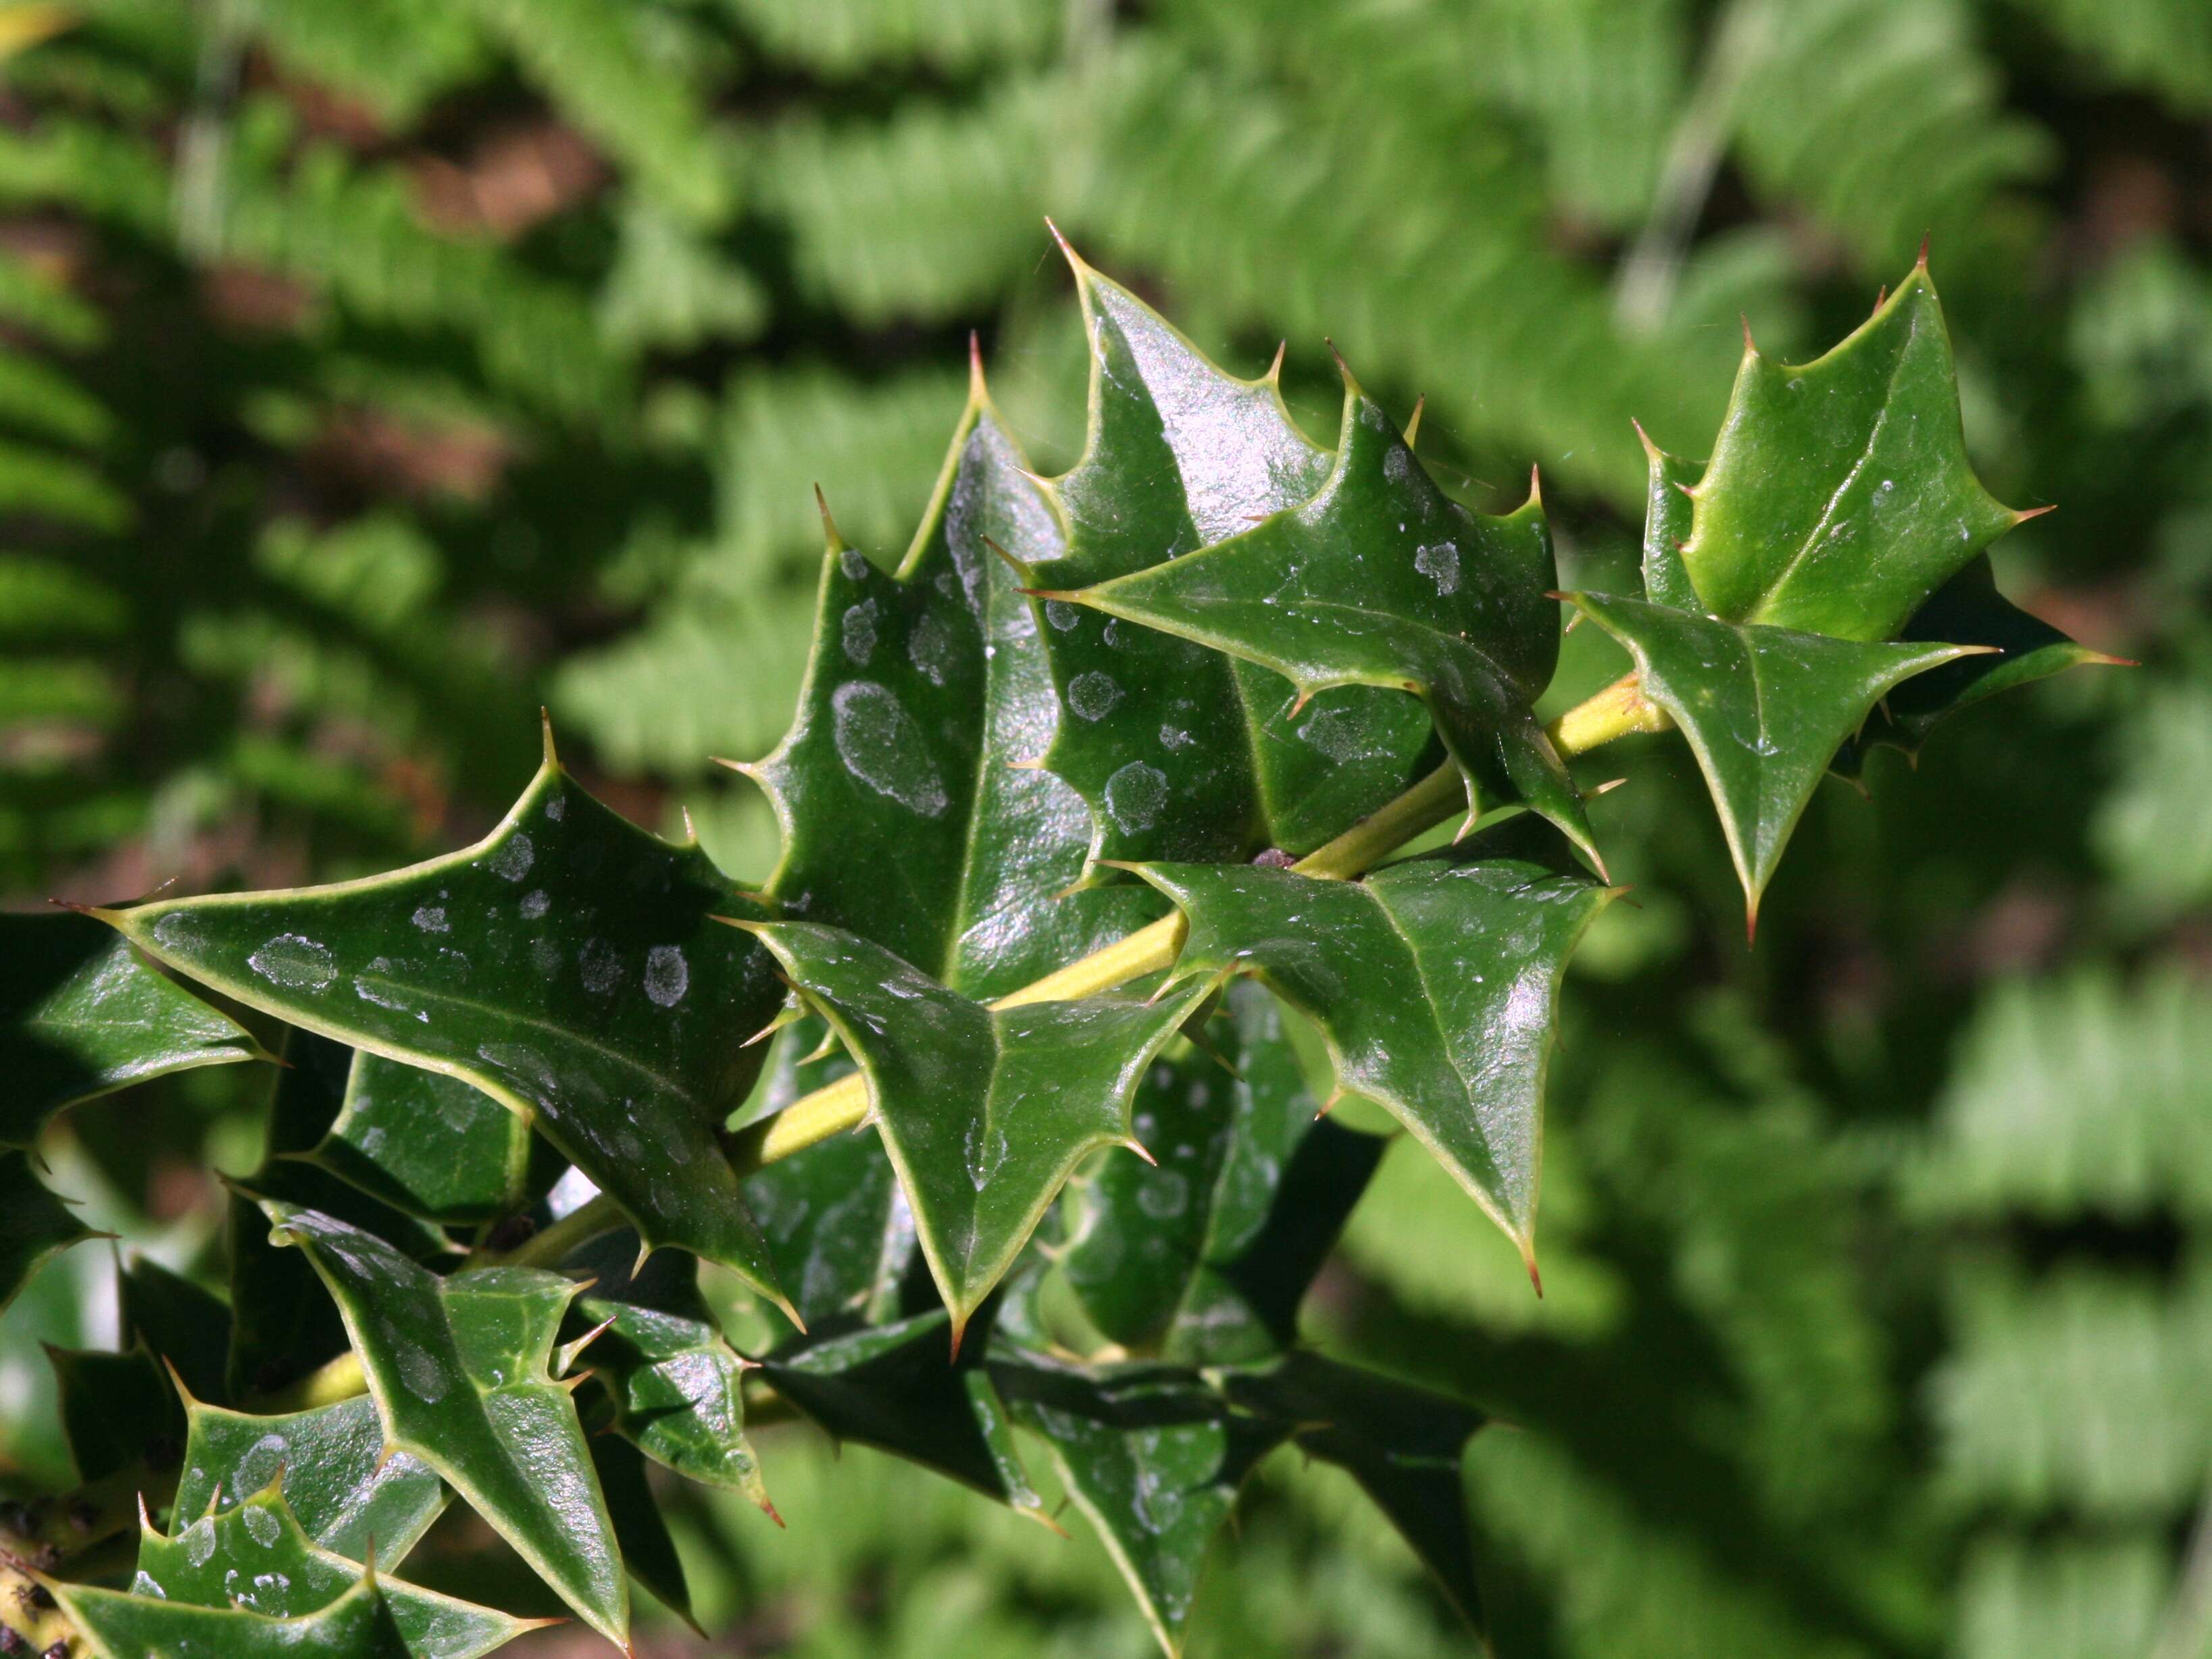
x=1180 y=754
x=984 y=1111
x=117 y=1411
x=1403 y=1444
x=1965 y=611
x=1839 y=496
x=458 y=1368
x=359 y=1624
x=82 y=1016
x=432 y=1145
x=1765 y=710
x=566 y=965
x=1153 y=1457
x=893 y=1386
x=648 y=1552
x=338 y=1480
x=838 y=1228
x=673 y=1380
x=35 y=1226
x=178 y=1321
x=255 y=1556
x=1205 y=1256
x=905 y=817
x=1435 y=983
x=1381 y=580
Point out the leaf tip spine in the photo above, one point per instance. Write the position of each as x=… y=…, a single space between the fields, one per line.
x=1750 y=345
x=1920 y=262
x=2021 y=514
x=1535 y=490
x=1412 y=432
x=1141 y=1150
x=1652 y=451
x=545 y=735
x=832 y=542
x=1273 y=377
x=978 y=392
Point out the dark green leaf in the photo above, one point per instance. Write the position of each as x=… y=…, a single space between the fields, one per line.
x=359 y=1624
x=1381 y=580
x=1180 y=754
x=339 y=1479
x=432 y=1145
x=648 y=1550
x=894 y=1388
x=905 y=816
x=1403 y=1446
x=458 y=1368
x=255 y=1556
x=1965 y=611
x=567 y=965
x=117 y=1411
x=1205 y=1256
x=178 y=1322
x=35 y=1226
x=1154 y=1458
x=673 y=1379
x=1435 y=982
x=837 y=1226
x=1765 y=710
x=81 y=1015
x=985 y=1111
x=1839 y=496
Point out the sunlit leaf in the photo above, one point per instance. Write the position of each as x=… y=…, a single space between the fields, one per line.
x=82 y=1016
x=359 y=1624
x=985 y=1111
x=567 y=965
x=459 y=1369
x=1435 y=982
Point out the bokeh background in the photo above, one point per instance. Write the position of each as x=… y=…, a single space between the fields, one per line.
x=374 y=371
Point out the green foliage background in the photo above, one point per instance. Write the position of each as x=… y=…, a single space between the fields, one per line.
x=374 y=372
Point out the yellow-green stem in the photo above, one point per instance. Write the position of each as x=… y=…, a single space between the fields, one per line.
x=1615 y=712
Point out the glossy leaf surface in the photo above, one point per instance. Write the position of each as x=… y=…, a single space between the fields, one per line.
x=1403 y=1444
x=1839 y=496
x=985 y=1112
x=81 y=1015
x=1765 y=710
x=35 y=1226
x=1668 y=512
x=459 y=1369
x=673 y=1380
x=359 y=1624
x=1205 y=1256
x=1180 y=754
x=431 y=1145
x=906 y=819
x=567 y=965
x=837 y=1225
x=1435 y=982
x=255 y=1556
x=1153 y=1458
x=894 y=1387
x=1381 y=580
x=338 y=1479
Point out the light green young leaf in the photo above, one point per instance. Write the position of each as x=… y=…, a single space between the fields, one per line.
x=459 y=1369
x=1765 y=710
x=255 y=1556
x=81 y=1015
x=566 y=965
x=985 y=1111
x=1381 y=580
x=1435 y=983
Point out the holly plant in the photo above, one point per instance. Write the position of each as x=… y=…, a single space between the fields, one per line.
x=1006 y=1103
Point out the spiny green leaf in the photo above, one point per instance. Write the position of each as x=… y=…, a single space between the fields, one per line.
x=985 y=1112
x=1153 y=1457
x=255 y=1556
x=1381 y=580
x=340 y=1480
x=432 y=1145
x=458 y=1368
x=892 y=1386
x=81 y=1015
x=182 y=1324
x=1180 y=754
x=1765 y=710
x=1667 y=514
x=1205 y=1256
x=117 y=1410
x=35 y=1226
x=673 y=1379
x=566 y=965
x=359 y=1624
x=1435 y=982
x=1403 y=1446
x=1965 y=611
x=1839 y=496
